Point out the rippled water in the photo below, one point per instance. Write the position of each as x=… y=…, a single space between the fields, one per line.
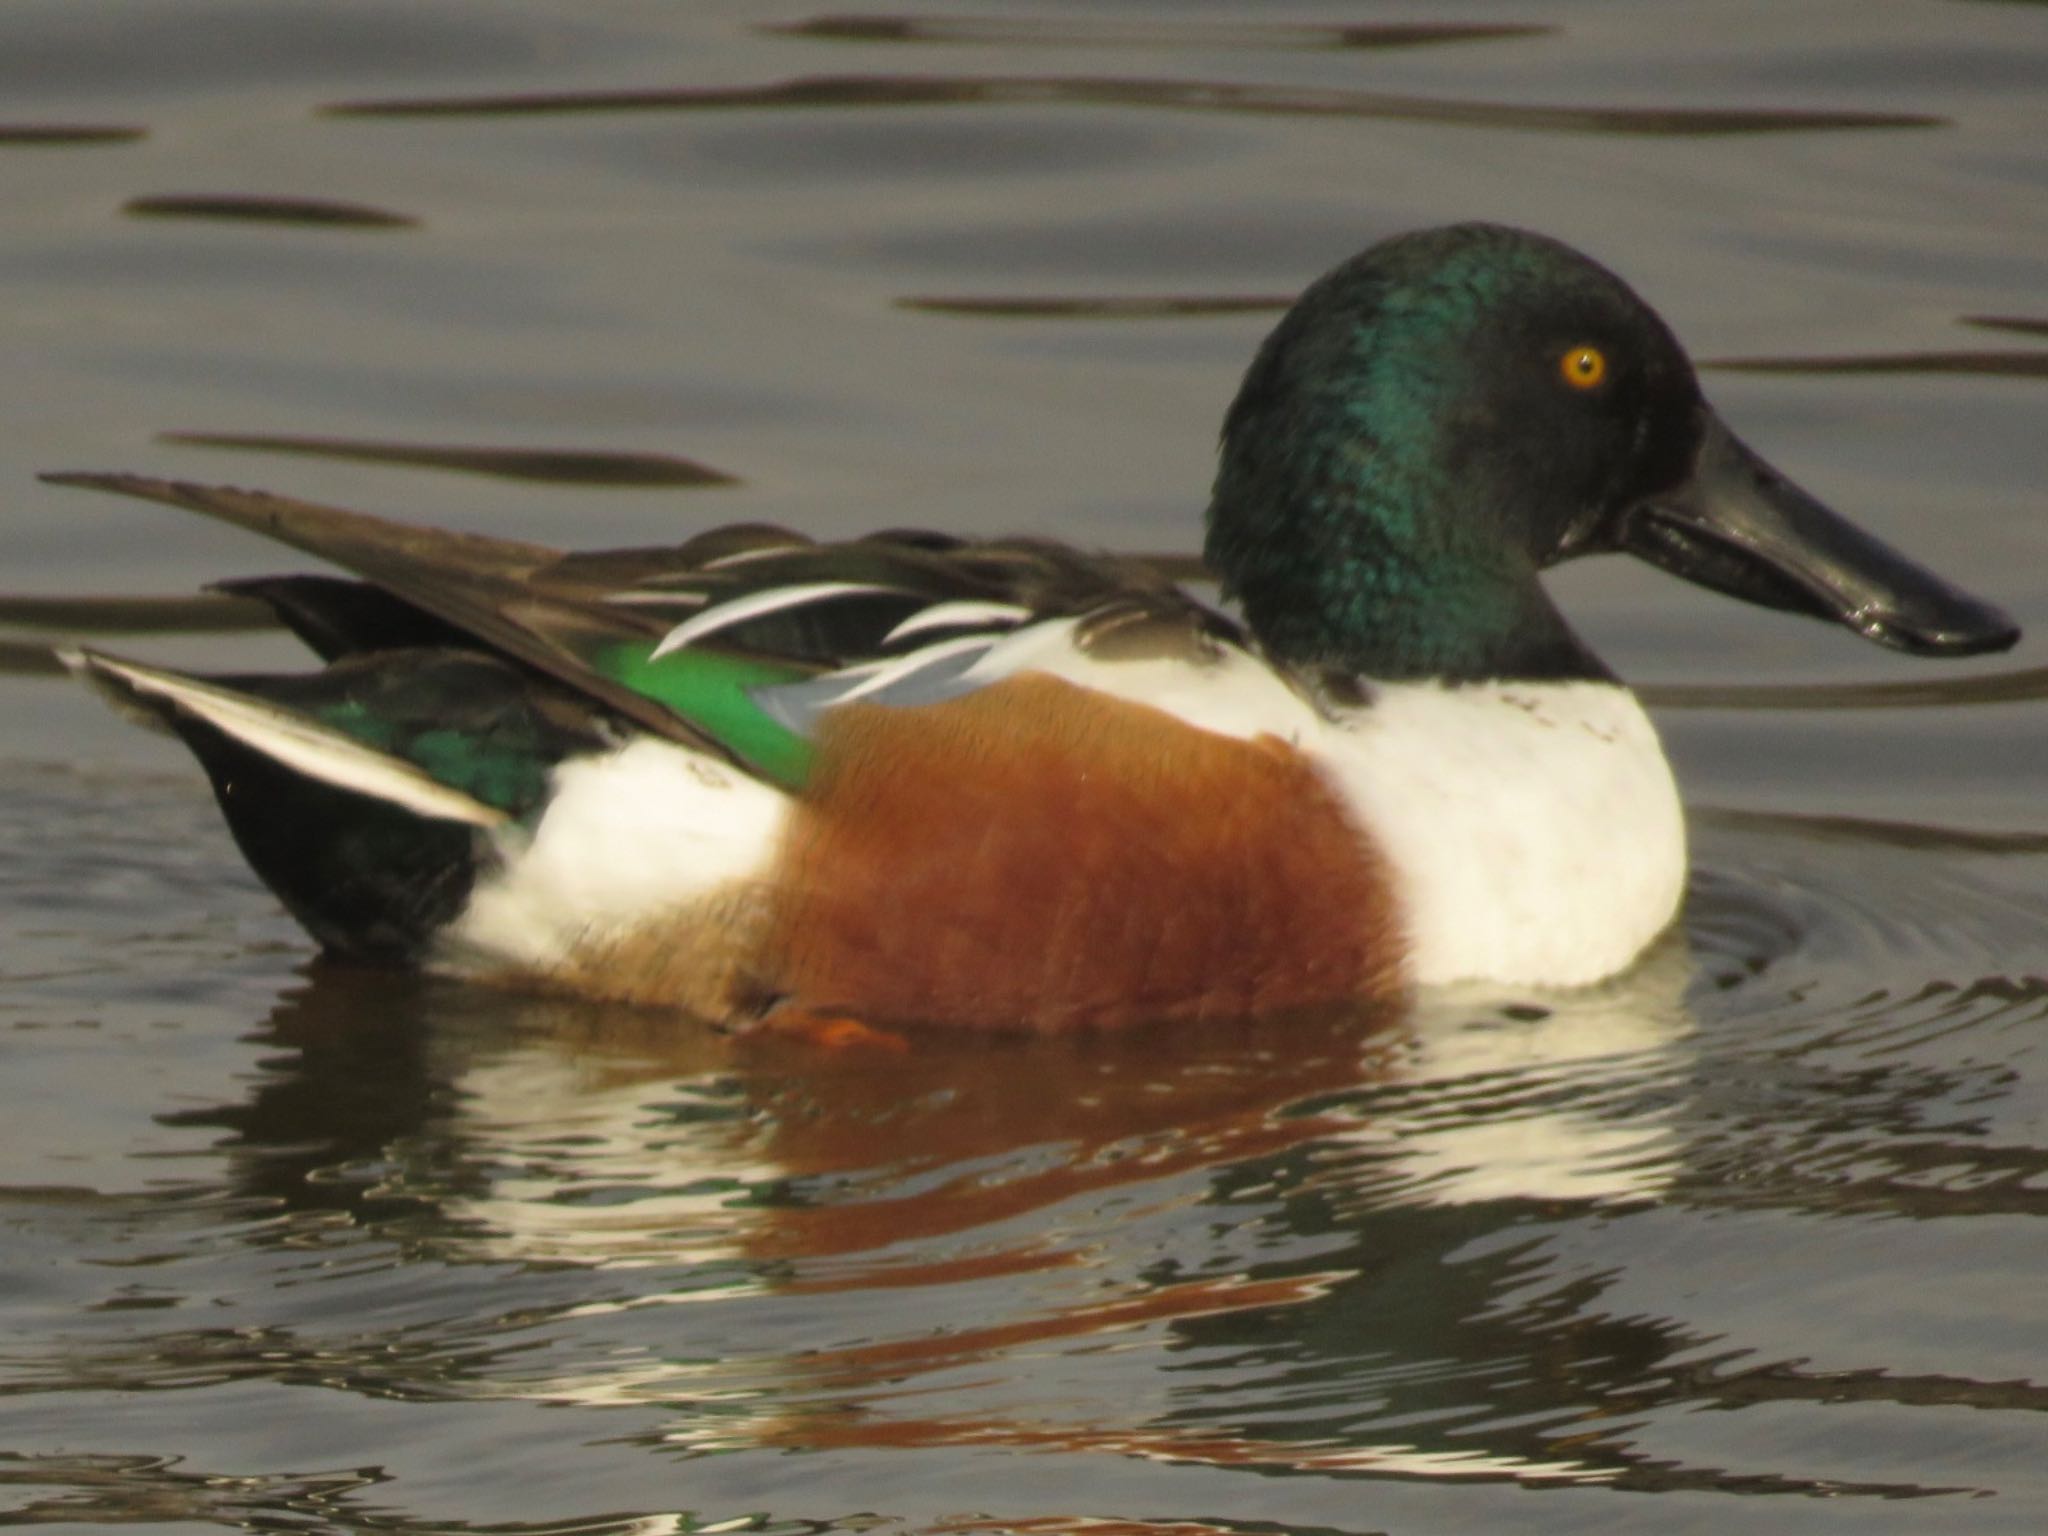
x=1746 y=1239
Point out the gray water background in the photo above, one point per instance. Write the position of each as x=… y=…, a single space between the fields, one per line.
x=1746 y=1239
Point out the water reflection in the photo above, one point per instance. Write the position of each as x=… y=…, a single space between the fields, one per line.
x=1344 y=1246
x=130 y=1490
x=1112 y=1203
x=1331 y=1247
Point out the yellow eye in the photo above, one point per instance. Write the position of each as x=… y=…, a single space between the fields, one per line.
x=1583 y=366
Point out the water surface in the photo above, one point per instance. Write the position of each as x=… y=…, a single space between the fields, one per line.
x=1744 y=1239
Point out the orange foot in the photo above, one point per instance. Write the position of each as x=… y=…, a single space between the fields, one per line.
x=836 y=1031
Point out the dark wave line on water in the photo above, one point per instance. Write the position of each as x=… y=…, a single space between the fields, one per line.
x=2019 y=324
x=561 y=466
x=2025 y=365
x=1108 y=307
x=34 y=654
x=255 y=209
x=2009 y=364
x=2025 y=686
x=1068 y=32
x=1176 y=305
x=1179 y=95
x=29 y=658
x=1910 y=835
x=68 y=135
x=200 y=614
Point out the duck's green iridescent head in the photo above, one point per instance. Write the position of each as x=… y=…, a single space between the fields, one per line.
x=1446 y=414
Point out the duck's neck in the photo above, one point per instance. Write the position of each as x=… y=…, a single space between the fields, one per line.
x=1358 y=606
x=1326 y=584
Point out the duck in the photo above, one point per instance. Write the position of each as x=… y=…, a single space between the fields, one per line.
x=912 y=780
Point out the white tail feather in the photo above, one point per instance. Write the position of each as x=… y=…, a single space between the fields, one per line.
x=297 y=741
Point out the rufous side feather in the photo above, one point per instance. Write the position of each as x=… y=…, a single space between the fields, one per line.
x=1035 y=855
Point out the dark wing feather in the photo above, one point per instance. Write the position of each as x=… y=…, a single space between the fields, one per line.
x=336 y=617
x=551 y=609
x=483 y=587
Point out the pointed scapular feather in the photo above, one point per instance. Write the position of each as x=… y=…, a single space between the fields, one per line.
x=758 y=605
x=656 y=598
x=296 y=741
x=957 y=615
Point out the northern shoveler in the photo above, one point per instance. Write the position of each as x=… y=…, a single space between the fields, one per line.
x=1002 y=783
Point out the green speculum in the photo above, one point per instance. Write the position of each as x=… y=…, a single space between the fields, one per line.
x=714 y=691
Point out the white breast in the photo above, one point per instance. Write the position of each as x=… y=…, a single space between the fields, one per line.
x=1535 y=826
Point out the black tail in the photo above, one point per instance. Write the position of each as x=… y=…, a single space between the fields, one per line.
x=364 y=795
